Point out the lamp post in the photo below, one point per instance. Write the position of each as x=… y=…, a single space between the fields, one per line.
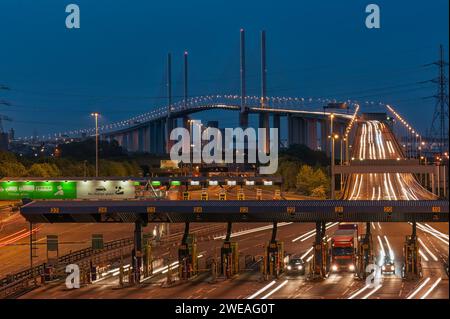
x=95 y=115
x=333 y=191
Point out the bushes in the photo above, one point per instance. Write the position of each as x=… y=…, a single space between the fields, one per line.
x=312 y=182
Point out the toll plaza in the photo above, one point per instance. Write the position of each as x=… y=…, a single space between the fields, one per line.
x=142 y=212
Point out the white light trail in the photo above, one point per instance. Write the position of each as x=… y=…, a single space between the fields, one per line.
x=428 y=250
x=431 y=288
x=262 y=289
x=275 y=290
x=372 y=292
x=419 y=288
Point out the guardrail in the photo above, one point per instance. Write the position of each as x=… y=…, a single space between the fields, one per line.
x=14 y=281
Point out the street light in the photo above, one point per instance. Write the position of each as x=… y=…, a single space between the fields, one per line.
x=95 y=115
x=333 y=137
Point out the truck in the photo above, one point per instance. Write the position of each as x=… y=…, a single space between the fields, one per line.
x=343 y=248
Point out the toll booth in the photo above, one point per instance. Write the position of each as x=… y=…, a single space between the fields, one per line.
x=187 y=257
x=229 y=256
x=412 y=263
x=223 y=195
x=275 y=258
x=204 y=195
x=186 y=196
x=320 y=265
x=365 y=253
x=241 y=195
x=259 y=194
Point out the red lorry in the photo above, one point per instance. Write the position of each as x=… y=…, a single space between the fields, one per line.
x=343 y=248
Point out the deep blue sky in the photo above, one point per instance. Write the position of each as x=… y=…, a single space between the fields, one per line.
x=115 y=63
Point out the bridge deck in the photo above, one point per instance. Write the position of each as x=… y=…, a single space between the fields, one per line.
x=235 y=211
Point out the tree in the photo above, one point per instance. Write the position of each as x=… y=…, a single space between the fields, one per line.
x=304 y=178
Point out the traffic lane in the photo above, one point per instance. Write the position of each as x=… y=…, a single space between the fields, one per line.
x=253 y=242
x=72 y=237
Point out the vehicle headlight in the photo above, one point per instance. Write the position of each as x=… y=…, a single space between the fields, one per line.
x=289 y=267
x=300 y=267
x=384 y=267
x=351 y=267
x=334 y=268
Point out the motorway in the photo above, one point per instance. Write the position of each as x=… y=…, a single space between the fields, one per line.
x=374 y=141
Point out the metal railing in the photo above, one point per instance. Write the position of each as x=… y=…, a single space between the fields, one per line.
x=14 y=282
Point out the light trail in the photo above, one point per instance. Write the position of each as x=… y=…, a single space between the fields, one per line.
x=415 y=292
x=253 y=230
x=383 y=252
x=431 y=288
x=423 y=255
x=326 y=228
x=428 y=250
x=372 y=292
x=391 y=252
x=262 y=289
x=275 y=290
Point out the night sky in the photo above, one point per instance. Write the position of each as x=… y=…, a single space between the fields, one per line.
x=115 y=63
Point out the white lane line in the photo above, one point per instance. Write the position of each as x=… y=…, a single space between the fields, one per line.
x=260 y=291
x=275 y=290
x=431 y=288
x=419 y=288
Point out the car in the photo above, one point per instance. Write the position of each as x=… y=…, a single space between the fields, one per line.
x=388 y=266
x=295 y=265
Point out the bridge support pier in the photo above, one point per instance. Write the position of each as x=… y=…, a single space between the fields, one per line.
x=365 y=252
x=264 y=123
x=229 y=256
x=412 y=262
x=274 y=261
x=320 y=262
x=187 y=255
x=277 y=125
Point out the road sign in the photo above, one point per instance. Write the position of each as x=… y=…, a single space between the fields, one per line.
x=38 y=190
x=97 y=241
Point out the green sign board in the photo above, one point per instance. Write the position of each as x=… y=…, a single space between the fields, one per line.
x=175 y=183
x=156 y=183
x=38 y=190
